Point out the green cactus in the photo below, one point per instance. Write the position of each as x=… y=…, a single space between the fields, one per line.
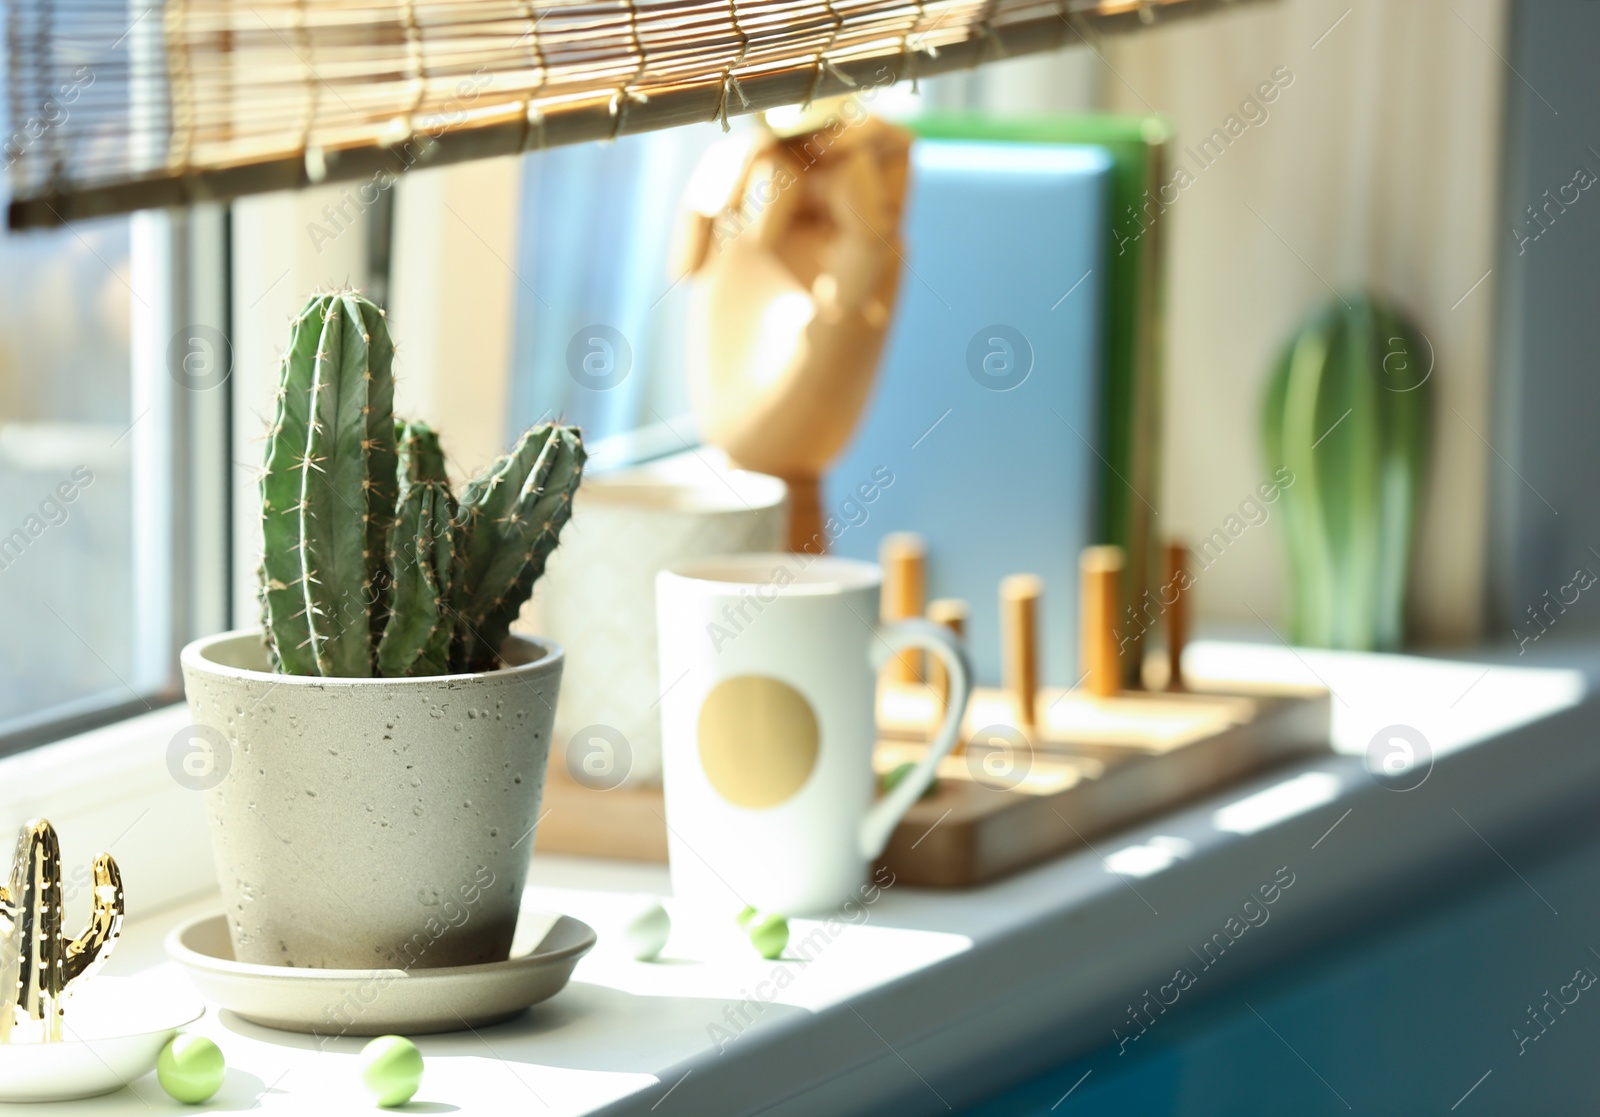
x=511 y=517
x=422 y=558
x=370 y=567
x=1348 y=414
x=38 y=962
x=283 y=603
x=329 y=490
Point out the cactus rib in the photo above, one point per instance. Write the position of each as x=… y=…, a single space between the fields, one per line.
x=417 y=638
x=347 y=491
x=284 y=619
x=382 y=468
x=512 y=516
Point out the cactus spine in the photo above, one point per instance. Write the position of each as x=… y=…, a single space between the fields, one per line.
x=370 y=566
x=38 y=962
x=1348 y=414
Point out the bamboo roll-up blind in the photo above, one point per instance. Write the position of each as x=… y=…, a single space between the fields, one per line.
x=118 y=105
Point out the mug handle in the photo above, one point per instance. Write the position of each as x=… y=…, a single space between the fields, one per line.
x=937 y=640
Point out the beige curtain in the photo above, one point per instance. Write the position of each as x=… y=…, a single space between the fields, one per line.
x=1377 y=166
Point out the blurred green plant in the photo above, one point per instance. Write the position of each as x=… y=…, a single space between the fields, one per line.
x=1349 y=412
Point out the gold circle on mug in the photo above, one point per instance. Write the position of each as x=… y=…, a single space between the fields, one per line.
x=758 y=740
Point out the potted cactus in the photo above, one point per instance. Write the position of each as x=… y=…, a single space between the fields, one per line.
x=1349 y=411
x=380 y=744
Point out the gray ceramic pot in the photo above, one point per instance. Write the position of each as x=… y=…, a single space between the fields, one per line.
x=371 y=822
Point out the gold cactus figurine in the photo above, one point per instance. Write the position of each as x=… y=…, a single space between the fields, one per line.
x=37 y=961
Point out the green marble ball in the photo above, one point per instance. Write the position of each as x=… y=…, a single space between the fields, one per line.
x=391 y=1069
x=191 y=1068
x=769 y=935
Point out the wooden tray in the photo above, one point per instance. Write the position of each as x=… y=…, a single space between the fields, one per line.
x=1099 y=764
x=987 y=820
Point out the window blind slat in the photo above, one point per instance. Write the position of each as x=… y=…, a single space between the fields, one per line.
x=117 y=107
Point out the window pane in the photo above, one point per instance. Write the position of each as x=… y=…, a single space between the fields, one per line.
x=595 y=301
x=66 y=521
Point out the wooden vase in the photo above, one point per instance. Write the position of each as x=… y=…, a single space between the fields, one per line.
x=793 y=245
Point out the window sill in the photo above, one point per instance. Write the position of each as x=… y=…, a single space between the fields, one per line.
x=109 y=790
x=972 y=989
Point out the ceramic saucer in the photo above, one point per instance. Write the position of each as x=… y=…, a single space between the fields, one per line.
x=383 y=1001
x=114 y=1029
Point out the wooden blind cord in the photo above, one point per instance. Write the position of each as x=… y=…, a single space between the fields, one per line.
x=842 y=77
x=532 y=114
x=625 y=92
x=728 y=80
x=931 y=50
x=986 y=33
x=907 y=51
x=416 y=65
x=533 y=125
x=1064 y=16
x=822 y=55
x=316 y=165
x=180 y=88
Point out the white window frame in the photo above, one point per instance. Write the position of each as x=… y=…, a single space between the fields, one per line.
x=105 y=782
x=178 y=442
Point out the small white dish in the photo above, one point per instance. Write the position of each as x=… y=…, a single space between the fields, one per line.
x=114 y=1030
x=384 y=1001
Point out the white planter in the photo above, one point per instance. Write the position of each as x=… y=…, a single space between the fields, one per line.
x=372 y=822
x=598 y=598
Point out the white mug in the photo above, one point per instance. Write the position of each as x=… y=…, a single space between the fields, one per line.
x=597 y=599
x=767 y=731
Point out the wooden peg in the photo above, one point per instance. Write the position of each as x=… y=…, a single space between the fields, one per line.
x=1175 y=585
x=1100 y=573
x=904 y=557
x=1019 y=643
x=952 y=613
